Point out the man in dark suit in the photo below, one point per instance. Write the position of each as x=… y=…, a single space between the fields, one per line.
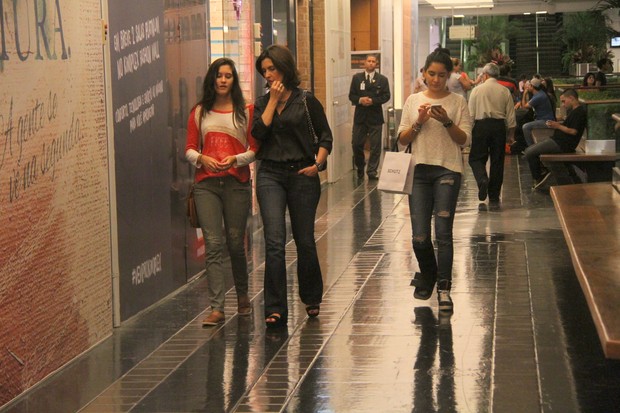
x=369 y=90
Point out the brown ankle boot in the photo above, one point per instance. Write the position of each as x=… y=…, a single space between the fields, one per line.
x=244 y=307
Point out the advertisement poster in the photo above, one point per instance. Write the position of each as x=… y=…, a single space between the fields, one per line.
x=55 y=272
x=143 y=155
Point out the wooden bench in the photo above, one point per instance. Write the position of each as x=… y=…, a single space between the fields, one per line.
x=597 y=166
x=590 y=219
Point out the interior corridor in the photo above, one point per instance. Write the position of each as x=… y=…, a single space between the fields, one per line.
x=521 y=338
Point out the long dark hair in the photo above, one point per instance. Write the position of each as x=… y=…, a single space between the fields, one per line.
x=284 y=61
x=549 y=88
x=588 y=75
x=209 y=95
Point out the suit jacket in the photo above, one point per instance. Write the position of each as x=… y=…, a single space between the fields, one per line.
x=378 y=90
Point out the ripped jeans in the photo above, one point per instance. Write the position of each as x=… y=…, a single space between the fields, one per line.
x=435 y=192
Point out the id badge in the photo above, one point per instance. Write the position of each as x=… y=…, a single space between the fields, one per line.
x=363 y=86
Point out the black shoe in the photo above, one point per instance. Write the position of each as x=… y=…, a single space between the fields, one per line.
x=360 y=174
x=539 y=182
x=424 y=284
x=483 y=188
x=373 y=177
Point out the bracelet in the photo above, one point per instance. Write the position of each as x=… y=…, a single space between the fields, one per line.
x=198 y=161
x=416 y=127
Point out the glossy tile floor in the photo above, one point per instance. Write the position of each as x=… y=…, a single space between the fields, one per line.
x=521 y=338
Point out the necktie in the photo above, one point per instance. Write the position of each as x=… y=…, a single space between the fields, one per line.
x=367 y=78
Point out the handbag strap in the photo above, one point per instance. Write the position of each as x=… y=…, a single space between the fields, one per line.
x=197 y=114
x=308 y=118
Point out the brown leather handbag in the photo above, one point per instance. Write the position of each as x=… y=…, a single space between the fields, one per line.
x=192 y=214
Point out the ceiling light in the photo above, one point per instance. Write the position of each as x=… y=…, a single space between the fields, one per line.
x=464 y=4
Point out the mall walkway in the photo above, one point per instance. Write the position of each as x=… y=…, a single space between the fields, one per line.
x=521 y=338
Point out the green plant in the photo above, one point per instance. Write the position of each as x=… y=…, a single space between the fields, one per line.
x=493 y=34
x=600 y=123
x=585 y=36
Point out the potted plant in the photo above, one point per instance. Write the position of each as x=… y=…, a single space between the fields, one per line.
x=585 y=36
x=494 y=33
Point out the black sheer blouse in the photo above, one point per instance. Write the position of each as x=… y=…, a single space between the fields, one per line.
x=288 y=138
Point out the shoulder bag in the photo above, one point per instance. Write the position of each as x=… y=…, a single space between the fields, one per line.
x=192 y=214
x=315 y=139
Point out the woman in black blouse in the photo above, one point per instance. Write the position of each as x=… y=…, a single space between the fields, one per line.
x=288 y=177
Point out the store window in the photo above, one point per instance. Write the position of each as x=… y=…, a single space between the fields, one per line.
x=277 y=20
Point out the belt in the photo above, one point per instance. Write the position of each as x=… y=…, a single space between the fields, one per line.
x=288 y=165
x=490 y=120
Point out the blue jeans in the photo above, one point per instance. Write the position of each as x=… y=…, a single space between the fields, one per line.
x=228 y=200
x=279 y=187
x=435 y=192
x=527 y=130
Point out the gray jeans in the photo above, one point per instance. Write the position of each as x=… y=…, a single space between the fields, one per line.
x=223 y=200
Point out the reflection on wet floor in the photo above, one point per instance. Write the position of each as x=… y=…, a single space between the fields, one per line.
x=520 y=339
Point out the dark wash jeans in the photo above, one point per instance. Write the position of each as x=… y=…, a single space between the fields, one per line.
x=277 y=188
x=435 y=192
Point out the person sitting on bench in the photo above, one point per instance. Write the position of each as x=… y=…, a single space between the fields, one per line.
x=565 y=139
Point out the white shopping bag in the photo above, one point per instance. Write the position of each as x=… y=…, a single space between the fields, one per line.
x=397 y=172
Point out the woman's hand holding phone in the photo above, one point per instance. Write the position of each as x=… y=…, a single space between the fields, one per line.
x=438 y=113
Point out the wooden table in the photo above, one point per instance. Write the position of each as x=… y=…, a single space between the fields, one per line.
x=590 y=218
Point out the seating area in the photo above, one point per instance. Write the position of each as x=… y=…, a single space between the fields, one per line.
x=597 y=167
x=590 y=218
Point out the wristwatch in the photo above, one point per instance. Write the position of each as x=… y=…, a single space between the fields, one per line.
x=320 y=166
x=448 y=124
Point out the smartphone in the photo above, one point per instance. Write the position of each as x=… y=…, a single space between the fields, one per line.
x=436 y=105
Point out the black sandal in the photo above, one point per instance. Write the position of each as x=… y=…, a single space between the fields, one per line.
x=424 y=285
x=274 y=320
x=313 y=310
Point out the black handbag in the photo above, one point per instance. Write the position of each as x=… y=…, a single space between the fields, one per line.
x=315 y=139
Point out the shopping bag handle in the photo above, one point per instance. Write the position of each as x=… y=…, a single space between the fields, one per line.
x=395 y=146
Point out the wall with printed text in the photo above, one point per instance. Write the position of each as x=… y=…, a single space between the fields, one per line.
x=55 y=282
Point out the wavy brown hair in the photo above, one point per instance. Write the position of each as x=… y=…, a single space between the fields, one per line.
x=209 y=95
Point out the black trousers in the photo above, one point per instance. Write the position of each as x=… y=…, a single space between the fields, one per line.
x=489 y=141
